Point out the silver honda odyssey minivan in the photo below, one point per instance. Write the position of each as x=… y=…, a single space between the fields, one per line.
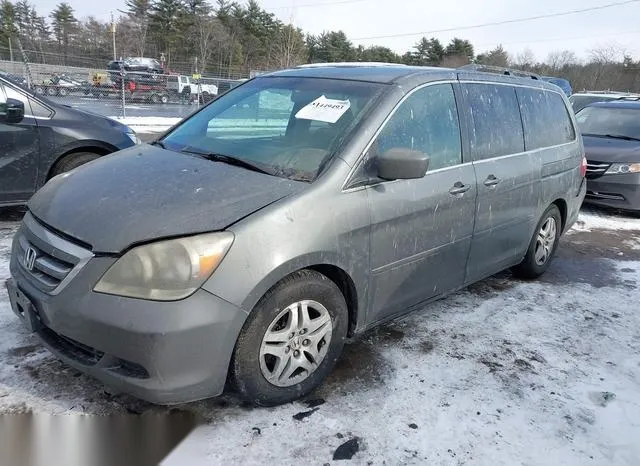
x=295 y=211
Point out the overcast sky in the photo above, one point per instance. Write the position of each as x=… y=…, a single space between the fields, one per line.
x=361 y=19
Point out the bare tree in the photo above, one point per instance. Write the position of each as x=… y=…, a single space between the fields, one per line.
x=454 y=61
x=289 y=49
x=208 y=30
x=607 y=54
x=525 y=59
x=560 y=59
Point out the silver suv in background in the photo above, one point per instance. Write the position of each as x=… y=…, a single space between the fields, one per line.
x=299 y=209
x=584 y=99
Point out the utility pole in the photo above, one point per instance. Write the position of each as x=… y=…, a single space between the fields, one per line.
x=113 y=35
x=10 y=50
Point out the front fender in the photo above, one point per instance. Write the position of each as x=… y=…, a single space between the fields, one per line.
x=232 y=289
x=50 y=157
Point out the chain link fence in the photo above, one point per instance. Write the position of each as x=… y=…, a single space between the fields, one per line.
x=135 y=90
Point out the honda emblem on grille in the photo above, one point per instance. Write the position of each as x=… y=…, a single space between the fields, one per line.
x=30 y=256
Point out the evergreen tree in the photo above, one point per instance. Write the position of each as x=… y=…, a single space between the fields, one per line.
x=460 y=48
x=427 y=52
x=166 y=21
x=64 y=26
x=8 y=29
x=495 y=57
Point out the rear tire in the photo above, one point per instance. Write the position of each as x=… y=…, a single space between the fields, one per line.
x=542 y=246
x=63 y=92
x=71 y=161
x=308 y=306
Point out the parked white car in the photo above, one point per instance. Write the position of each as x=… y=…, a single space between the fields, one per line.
x=186 y=85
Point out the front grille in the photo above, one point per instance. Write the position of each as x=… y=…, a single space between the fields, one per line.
x=596 y=169
x=47 y=269
x=71 y=348
x=89 y=356
x=46 y=258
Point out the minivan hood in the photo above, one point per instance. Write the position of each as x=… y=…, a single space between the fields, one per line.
x=611 y=150
x=146 y=193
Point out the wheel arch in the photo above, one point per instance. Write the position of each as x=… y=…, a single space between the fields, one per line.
x=563 y=208
x=94 y=147
x=332 y=269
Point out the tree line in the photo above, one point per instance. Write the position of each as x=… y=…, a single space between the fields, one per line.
x=234 y=38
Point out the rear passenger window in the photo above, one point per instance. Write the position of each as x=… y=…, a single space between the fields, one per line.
x=497 y=126
x=426 y=121
x=545 y=117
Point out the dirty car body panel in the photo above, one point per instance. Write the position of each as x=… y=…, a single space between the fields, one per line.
x=30 y=149
x=390 y=245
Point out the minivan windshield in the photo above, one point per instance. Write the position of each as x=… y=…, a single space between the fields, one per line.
x=288 y=126
x=610 y=122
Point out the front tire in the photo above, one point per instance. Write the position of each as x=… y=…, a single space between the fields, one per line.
x=291 y=341
x=542 y=246
x=71 y=161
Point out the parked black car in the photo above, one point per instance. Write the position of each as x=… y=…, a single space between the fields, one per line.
x=40 y=139
x=611 y=133
x=138 y=69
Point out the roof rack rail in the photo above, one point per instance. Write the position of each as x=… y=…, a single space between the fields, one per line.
x=349 y=63
x=499 y=70
x=621 y=93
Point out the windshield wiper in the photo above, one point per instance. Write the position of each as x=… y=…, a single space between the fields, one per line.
x=230 y=160
x=612 y=136
x=159 y=144
x=622 y=136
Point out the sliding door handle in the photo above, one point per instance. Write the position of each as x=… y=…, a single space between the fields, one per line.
x=459 y=188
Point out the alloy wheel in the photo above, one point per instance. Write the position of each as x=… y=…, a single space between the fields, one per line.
x=295 y=343
x=545 y=241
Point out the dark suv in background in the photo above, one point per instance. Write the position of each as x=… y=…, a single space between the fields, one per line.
x=611 y=134
x=40 y=139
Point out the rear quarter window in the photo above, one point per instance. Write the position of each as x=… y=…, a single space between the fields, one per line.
x=496 y=124
x=545 y=117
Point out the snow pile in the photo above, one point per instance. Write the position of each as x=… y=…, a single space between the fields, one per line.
x=148 y=124
x=593 y=219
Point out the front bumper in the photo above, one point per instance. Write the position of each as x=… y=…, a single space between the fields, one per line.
x=617 y=191
x=162 y=352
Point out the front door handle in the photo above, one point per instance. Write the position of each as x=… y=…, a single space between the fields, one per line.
x=491 y=181
x=459 y=188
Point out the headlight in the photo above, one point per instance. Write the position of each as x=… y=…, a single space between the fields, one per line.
x=619 y=168
x=133 y=136
x=166 y=270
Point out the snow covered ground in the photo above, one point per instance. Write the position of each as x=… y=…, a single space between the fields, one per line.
x=147 y=124
x=504 y=372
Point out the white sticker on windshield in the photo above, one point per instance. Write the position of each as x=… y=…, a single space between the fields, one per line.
x=323 y=109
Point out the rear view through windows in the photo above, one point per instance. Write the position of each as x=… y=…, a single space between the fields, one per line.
x=497 y=127
x=546 y=119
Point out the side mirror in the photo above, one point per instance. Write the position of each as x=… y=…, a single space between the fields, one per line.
x=402 y=164
x=14 y=112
